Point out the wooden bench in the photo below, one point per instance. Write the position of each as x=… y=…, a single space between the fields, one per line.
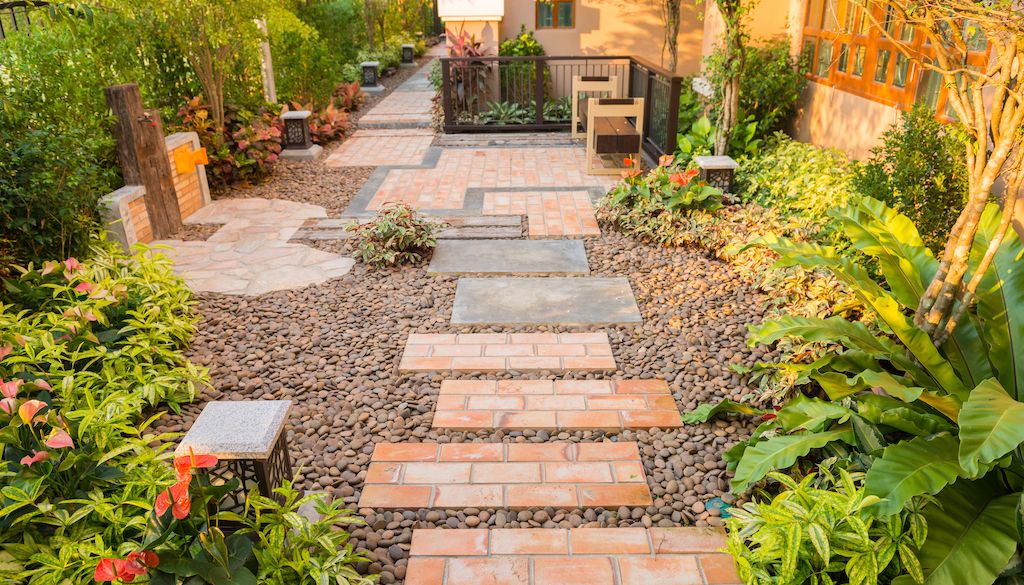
x=609 y=131
x=589 y=83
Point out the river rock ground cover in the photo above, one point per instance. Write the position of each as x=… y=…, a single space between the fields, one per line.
x=334 y=348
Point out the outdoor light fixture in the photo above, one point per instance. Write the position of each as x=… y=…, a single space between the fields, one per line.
x=371 y=77
x=718 y=171
x=407 y=55
x=298 y=142
x=248 y=439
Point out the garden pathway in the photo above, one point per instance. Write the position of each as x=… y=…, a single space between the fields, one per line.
x=550 y=187
x=250 y=254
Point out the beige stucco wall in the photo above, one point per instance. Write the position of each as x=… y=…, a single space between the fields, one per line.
x=613 y=27
x=488 y=32
x=828 y=117
x=770 y=19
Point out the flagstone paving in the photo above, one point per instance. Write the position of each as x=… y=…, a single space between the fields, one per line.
x=496 y=475
x=250 y=254
x=545 y=301
x=509 y=257
x=499 y=352
x=578 y=556
x=514 y=405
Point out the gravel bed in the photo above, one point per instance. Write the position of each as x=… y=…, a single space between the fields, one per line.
x=334 y=349
x=196 y=232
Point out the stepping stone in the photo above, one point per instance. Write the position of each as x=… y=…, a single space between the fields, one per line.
x=544 y=301
x=409 y=476
x=499 y=352
x=510 y=257
x=577 y=556
x=481 y=233
x=515 y=405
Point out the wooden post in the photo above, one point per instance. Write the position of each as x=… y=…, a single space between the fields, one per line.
x=143 y=157
x=538 y=89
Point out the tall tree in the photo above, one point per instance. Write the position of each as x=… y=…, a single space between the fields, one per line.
x=726 y=65
x=989 y=105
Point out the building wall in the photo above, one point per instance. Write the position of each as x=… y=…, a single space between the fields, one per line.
x=769 y=20
x=833 y=118
x=613 y=27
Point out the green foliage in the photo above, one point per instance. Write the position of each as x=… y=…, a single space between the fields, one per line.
x=292 y=549
x=508 y=113
x=820 y=530
x=665 y=188
x=98 y=344
x=919 y=170
x=699 y=140
x=522 y=45
x=922 y=419
x=339 y=24
x=796 y=178
x=559 y=110
x=389 y=56
x=772 y=83
x=306 y=67
x=396 y=236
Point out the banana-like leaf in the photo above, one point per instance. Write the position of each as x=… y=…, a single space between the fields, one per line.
x=968 y=353
x=838 y=386
x=891 y=238
x=706 y=412
x=803 y=412
x=923 y=465
x=971 y=536
x=781 y=453
x=1001 y=303
x=834 y=329
x=909 y=418
x=991 y=425
x=947 y=405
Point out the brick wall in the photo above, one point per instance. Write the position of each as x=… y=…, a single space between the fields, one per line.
x=139 y=219
x=190 y=187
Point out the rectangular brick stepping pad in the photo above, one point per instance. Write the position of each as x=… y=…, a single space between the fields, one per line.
x=578 y=556
x=555 y=404
x=499 y=352
x=509 y=257
x=498 y=475
x=545 y=301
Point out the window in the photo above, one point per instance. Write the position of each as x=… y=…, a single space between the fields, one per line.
x=556 y=14
x=864 y=47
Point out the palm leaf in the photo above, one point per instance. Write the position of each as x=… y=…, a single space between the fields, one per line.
x=781 y=453
x=991 y=425
x=923 y=465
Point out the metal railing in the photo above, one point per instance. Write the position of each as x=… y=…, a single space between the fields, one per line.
x=501 y=94
x=15 y=16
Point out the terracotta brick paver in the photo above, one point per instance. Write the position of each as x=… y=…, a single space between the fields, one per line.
x=548 y=213
x=498 y=352
x=381 y=146
x=425 y=475
x=444 y=186
x=574 y=404
x=579 y=556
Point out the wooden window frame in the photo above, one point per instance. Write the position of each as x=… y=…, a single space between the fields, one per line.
x=554 y=15
x=874 y=41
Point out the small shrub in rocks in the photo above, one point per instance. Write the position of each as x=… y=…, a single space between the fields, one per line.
x=396 y=236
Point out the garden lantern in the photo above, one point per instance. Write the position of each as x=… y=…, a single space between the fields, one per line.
x=248 y=439
x=718 y=171
x=370 y=73
x=298 y=143
x=407 y=55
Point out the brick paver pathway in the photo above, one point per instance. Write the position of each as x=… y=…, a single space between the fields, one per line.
x=555 y=404
x=497 y=352
x=497 y=475
x=383 y=146
x=579 y=556
x=549 y=213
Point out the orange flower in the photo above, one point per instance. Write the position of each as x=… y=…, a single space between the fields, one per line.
x=631 y=174
x=628 y=161
x=29 y=409
x=183 y=466
x=665 y=160
x=175 y=497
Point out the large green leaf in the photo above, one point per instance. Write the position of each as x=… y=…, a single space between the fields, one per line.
x=891 y=238
x=909 y=418
x=834 y=329
x=838 y=386
x=803 y=412
x=782 y=453
x=705 y=412
x=991 y=425
x=971 y=537
x=1001 y=303
x=923 y=465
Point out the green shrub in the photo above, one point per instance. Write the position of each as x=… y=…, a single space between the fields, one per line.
x=667 y=187
x=919 y=170
x=699 y=140
x=340 y=26
x=923 y=420
x=772 y=84
x=396 y=236
x=820 y=530
x=50 y=183
x=796 y=178
x=389 y=56
x=306 y=68
x=521 y=45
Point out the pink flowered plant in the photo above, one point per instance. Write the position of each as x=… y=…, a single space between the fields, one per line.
x=126 y=569
x=36 y=457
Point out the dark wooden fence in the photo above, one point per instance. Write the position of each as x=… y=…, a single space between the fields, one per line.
x=500 y=94
x=17 y=16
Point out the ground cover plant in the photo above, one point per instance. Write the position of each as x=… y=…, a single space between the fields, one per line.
x=397 y=235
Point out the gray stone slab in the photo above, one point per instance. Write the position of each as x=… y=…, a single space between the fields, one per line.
x=236 y=429
x=480 y=233
x=545 y=301
x=509 y=257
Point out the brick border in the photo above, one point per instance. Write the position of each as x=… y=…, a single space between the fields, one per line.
x=498 y=352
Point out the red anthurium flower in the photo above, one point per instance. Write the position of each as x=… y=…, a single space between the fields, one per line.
x=83 y=287
x=35 y=457
x=29 y=409
x=146 y=557
x=665 y=160
x=59 y=439
x=628 y=161
x=105 y=571
x=8 y=404
x=679 y=179
x=175 y=497
x=183 y=466
x=10 y=389
x=124 y=570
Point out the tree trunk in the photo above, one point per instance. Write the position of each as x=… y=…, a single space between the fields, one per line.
x=672 y=8
x=727 y=119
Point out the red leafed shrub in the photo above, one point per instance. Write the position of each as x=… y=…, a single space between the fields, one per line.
x=349 y=96
x=325 y=125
